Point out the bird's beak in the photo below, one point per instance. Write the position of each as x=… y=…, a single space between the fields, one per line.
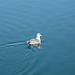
x=41 y=35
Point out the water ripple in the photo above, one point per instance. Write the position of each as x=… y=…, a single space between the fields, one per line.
x=13 y=44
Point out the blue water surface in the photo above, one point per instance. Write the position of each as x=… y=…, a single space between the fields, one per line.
x=21 y=20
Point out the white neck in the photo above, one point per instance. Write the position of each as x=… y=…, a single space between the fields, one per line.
x=38 y=37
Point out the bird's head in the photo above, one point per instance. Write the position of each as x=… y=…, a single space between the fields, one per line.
x=38 y=34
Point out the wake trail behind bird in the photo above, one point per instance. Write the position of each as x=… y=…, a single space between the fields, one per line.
x=13 y=44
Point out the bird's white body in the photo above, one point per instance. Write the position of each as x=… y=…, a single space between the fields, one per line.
x=37 y=40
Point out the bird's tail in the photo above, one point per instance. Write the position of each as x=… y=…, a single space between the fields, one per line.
x=28 y=41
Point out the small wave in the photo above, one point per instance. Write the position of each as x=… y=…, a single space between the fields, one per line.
x=13 y=44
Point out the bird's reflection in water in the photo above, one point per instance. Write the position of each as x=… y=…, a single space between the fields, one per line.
x=39 y=46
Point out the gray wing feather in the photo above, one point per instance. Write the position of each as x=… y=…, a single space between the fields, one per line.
x=33 y=41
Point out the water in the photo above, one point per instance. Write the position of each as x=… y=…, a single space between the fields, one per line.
x=21 y=20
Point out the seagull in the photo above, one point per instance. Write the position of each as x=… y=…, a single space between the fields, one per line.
x=37 y=40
